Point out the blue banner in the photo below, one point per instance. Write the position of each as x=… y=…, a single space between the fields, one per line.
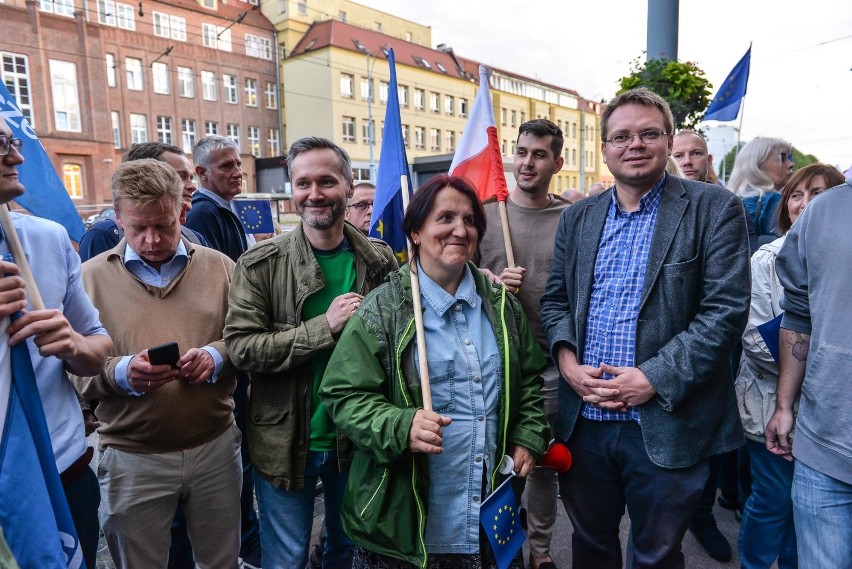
x=45 y=194
x=255 y=215
x=386 y=221
x=34 y=513
x=500 y=517
x=726 y=105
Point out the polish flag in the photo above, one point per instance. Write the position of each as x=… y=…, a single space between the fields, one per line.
x=478 y=156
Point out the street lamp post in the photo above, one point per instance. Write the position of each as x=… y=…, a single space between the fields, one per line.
x=371 y=60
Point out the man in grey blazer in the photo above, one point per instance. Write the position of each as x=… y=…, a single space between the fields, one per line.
x=648 y=293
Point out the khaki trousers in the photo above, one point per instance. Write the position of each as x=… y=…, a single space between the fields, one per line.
x=140 y=493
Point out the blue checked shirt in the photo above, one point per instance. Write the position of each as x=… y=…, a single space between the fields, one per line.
x=617 y=291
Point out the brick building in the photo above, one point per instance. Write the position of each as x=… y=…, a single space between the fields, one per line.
x=95 y=76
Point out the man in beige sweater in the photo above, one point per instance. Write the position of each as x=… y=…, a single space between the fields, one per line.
x=167 y=432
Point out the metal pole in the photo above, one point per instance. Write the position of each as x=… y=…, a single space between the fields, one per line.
x=370 y=132
x=662 y=29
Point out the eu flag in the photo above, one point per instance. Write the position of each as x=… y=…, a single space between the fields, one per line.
x=729 y=97
x=500 y=517
x=45 y=194
x=386 y=221
x=255 y=215
x=34 y=513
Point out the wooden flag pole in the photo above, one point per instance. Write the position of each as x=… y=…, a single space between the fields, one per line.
x=418 y=311
x=507 y=237
x=20 y=258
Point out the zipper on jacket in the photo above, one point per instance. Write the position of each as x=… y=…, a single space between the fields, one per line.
x=373 y=497
x=505 y=381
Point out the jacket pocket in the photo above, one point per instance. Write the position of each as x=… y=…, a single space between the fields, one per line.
x=267 y=415
x=442 y=382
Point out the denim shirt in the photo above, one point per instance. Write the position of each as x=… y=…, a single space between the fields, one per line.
x=464 y=373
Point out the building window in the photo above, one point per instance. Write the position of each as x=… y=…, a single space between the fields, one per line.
x=66 y=102
x=419 y=98
x=347 y=86
x=348 y=125
x=573 y=130
x=402 y=91
x=164 y=130
x=186 y=82
x=434 y=102
x=257 y=46
x=72 y=176
x=366 y=89
x=58 y=7
x=126 y=16
x=234 y=132
x=303 y=8
x=106 y=12
x=449 y=141
x=378 y=26
x=209 y=4
x=514 y=116
x=15 y=74
x=160 y=73
x=116 y=129
x=341 y=15
x=574 y=156
x=503 y=117
x=110 y=70
x=419 y=137
x=406 y=135
x=230 y=83
x=216 y=37
x=449 y=104
x=504 y=147
x=138 y=128
x=254 y=141
x=365 y=130
x=272 y=146
x=166 y=26
x=435 y=139
x=408 y=37
x=178 y=28
x=523 y=117
x=271 y=95
x=251 y=92
x=211 y=128
x=133 y=72
x=383 y=92
x=188 y=134
x=360 y=175
x=208 y=85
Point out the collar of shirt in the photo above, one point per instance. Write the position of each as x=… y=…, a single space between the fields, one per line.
x=220 y=201
x=647 y=203
x=439 y=299
x=151 y=276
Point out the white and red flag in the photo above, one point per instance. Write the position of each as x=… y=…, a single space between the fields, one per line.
x=478 y=156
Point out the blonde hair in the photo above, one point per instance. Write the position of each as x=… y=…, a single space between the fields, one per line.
x=673 y=168
x=145 y=182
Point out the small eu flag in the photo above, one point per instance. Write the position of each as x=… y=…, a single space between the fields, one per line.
x=771 y=334
x=255 y=215
x=500 y=517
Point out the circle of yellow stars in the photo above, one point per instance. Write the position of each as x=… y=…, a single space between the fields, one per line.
x=510 y=511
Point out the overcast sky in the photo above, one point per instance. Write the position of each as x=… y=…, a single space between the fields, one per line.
x=800 y=86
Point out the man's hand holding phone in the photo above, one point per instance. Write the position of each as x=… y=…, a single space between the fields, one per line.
x=144 y=376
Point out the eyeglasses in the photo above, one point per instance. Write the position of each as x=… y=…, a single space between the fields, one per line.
x=361 y=206
x=7 y=143
x=623 y=140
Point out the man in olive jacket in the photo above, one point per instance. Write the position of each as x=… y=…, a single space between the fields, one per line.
x=290 y=299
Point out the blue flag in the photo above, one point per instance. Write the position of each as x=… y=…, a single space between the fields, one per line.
x=729 y=97
x=500 y=517
x=45 y=194
x=255 y=215
x=771 y=334
x=34 y=513
x=386 y=221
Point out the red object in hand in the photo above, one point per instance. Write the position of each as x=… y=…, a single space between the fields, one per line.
x=558 y=457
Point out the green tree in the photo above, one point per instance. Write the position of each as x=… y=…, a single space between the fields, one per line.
x=681 y=84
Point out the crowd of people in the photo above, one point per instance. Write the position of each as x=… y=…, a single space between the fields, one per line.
x=660 y=329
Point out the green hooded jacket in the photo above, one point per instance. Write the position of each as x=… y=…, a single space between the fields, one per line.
x=372 y=390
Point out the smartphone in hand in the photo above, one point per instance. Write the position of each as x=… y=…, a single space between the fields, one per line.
x=164 y=354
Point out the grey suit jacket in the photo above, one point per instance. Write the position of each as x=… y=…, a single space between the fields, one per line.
x=693 y=310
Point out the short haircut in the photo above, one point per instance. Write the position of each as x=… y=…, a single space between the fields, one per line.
x=696 y=134
x=424 y=198
x=146 y=181
x=638 y=96
x=317 y=143
x=365 y=185
x=805 y=176
x=747 y=175
x=541 y=128
x=210 y=144
x=151 y=150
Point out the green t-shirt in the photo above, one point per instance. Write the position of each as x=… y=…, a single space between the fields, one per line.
x=338 y=269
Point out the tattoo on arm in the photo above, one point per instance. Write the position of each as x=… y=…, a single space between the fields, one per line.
x=801 y=347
